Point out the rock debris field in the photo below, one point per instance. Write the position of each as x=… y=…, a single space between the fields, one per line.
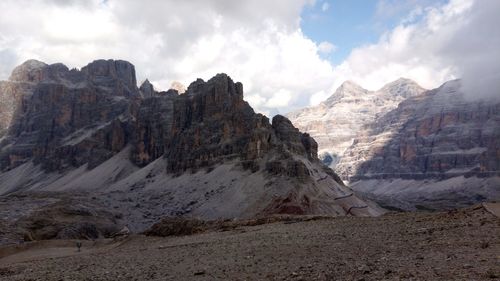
x=455 y=245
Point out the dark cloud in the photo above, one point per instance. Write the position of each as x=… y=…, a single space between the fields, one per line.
x=475 y=50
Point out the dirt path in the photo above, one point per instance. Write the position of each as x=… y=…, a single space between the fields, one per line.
x=460 y=245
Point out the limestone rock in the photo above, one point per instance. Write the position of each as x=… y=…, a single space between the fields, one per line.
x=29 y=71
x=336 y=122
x=435 y=135
x=117 y=75
x=150 y=154
x=66 y=119
x=409 y=149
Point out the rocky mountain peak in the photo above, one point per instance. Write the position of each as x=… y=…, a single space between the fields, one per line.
x=403 y=87
x=296 y=141
x=349 y=84
x=195 y=85
x=451 y=86
x=105 y=72
x=147 y=90
x=29 y=71
x=221 y=88
x=348 y=89
x=335 y=123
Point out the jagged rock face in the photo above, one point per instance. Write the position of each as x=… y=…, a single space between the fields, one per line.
x=209 y=123
x=336 y=122
x=20 y=84
x=68 y=117
x=434 y=151
x=118 y=76
x=7 y=104
x=435 y=135
x=147 y=90
x=203 y=153
x=409 y=149
x=293 y=139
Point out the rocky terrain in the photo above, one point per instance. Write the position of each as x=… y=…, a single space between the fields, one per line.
x=428 y=150
x=93 y=136
x=454 y=245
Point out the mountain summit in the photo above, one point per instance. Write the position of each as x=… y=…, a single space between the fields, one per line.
x=337 y=121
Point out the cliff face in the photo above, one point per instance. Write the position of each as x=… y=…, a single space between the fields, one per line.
x=336 y=122
x=21 y=83
x=446 y=147
x=436 y=135
x=204 y=152
x=404 y=147
x=68 y=117
x=209 y=124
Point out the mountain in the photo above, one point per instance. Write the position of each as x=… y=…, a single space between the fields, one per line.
x=92 y=136
x=408 y=148
x=436 y=150
x=22 y=80
x=335 y=122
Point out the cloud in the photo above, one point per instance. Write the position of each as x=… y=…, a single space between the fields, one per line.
x=280 y=99
x=281 y=68
x=326 y=47
x=457 y=40
x=319 y=97
x=259 y=43
x=474 y=49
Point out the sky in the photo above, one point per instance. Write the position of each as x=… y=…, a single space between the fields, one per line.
x=287 y=53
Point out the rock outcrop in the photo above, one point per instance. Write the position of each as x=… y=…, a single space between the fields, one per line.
x=204 y=153
x=337 y=121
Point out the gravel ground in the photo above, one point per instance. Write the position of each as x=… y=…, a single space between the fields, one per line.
x=456 y=245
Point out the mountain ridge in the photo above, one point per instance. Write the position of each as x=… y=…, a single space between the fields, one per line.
x=205 y=153
x=435 y=150
x=335 y=122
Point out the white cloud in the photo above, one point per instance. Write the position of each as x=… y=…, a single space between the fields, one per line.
x=280 y=99
x=456 y=40
x=280 y=67
x=326 y=47
x=255 y=100
x=318 y=97
x=174 y=41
